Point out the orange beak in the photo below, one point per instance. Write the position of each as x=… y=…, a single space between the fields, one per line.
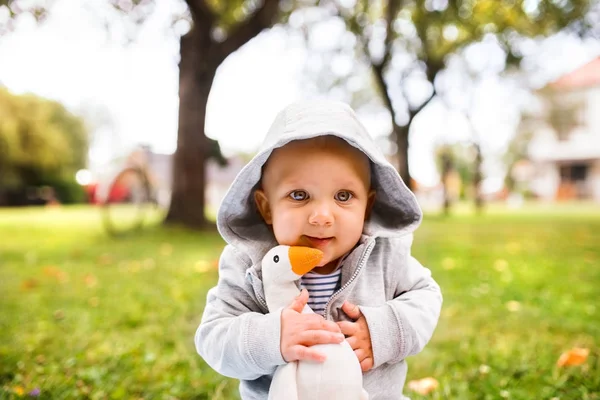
x=303 y=259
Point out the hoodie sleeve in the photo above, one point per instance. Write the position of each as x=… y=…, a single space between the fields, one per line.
x=234 y=337
x=403 y=326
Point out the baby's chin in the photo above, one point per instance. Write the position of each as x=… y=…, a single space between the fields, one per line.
x=325 y=262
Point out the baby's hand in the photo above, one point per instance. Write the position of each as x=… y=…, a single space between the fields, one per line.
x=358 y=335
x=300 y=331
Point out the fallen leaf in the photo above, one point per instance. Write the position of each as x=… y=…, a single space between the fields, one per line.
x=575 y=356
x=59 y=314
x=90 y=280
x=29 y=284
x=55 y=272
x=423 y=386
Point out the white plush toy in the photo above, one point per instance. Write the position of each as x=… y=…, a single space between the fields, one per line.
x=340 y=376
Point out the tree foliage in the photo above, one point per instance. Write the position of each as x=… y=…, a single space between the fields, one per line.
x=216 y=29
x=41 y=142
x=10 y=10
x=408 y=40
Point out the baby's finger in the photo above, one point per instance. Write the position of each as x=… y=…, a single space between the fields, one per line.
x=361 y=354
x=351 y=310
x=310 y=338
x=300 y=301
x=353 y=342
x=366 y=364
x=300 y=352
x=329 y=326
x=315 y=321
x=348 y=328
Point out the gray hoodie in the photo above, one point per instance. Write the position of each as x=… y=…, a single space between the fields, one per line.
x=239 y=338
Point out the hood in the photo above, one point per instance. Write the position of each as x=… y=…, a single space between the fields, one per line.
x=395 y=211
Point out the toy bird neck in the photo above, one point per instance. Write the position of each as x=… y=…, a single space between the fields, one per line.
x=280 y=294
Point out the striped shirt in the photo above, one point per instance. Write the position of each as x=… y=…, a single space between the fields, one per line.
x=320 y=288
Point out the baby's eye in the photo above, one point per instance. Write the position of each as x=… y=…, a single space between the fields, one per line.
x=299 y=195
x=343 y=196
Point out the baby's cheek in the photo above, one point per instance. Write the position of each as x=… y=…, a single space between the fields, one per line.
x=286 y=229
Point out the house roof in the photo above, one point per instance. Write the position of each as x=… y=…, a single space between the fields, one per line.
x=585 y=76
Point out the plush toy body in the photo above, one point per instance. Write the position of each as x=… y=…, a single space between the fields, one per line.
x=340 y=376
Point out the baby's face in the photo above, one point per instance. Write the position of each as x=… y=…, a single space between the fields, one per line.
x=317 y=197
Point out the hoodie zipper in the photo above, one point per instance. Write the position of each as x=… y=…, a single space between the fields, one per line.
x=256 y=285
x=361 y=263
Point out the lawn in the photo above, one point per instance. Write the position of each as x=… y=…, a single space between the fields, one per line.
x=84 y=315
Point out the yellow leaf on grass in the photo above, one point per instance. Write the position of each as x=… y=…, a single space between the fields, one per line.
x=56 y=273
x=423 y=386
x=29 y=284
x=575 y=356
x=90 y=280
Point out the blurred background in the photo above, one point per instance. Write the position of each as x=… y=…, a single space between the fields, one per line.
x=123 y=123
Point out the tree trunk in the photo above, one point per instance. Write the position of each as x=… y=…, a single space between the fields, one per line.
x=446 y=168
x=196 y=74
x=400 y=134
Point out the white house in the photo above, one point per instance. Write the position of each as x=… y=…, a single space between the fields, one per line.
x=565 y=147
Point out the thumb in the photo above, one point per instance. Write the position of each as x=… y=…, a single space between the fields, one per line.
x=300 y=301
x=351 y=310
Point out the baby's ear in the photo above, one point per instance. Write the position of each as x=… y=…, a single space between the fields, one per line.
x=262 y=203
x=370 y=202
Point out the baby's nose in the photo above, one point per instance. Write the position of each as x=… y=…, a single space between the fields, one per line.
x=321 y=215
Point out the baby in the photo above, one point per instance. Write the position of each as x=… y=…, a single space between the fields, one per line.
x=320 y=181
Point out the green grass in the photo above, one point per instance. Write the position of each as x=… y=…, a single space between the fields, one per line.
x=83 y=315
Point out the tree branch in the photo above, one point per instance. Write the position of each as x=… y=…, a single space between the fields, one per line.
x=252 y=26
x=383 y=90
x=390 y=17
x=202 y=15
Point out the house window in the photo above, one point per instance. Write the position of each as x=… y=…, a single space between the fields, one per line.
x=574 y=172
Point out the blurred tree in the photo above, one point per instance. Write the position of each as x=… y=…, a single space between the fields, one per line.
x=516 y=157
x=217 y=29
x=444 y=158
x=41 y=143
x=11 y=10
x=408 y=41
x=456 y=159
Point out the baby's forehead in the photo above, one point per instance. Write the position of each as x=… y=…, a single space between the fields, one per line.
x=322 y=144
x=319 y=146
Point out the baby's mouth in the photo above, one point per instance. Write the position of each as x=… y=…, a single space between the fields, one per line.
x=318 y=242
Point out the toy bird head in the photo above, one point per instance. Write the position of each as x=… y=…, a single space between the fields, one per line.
x=289 y=263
